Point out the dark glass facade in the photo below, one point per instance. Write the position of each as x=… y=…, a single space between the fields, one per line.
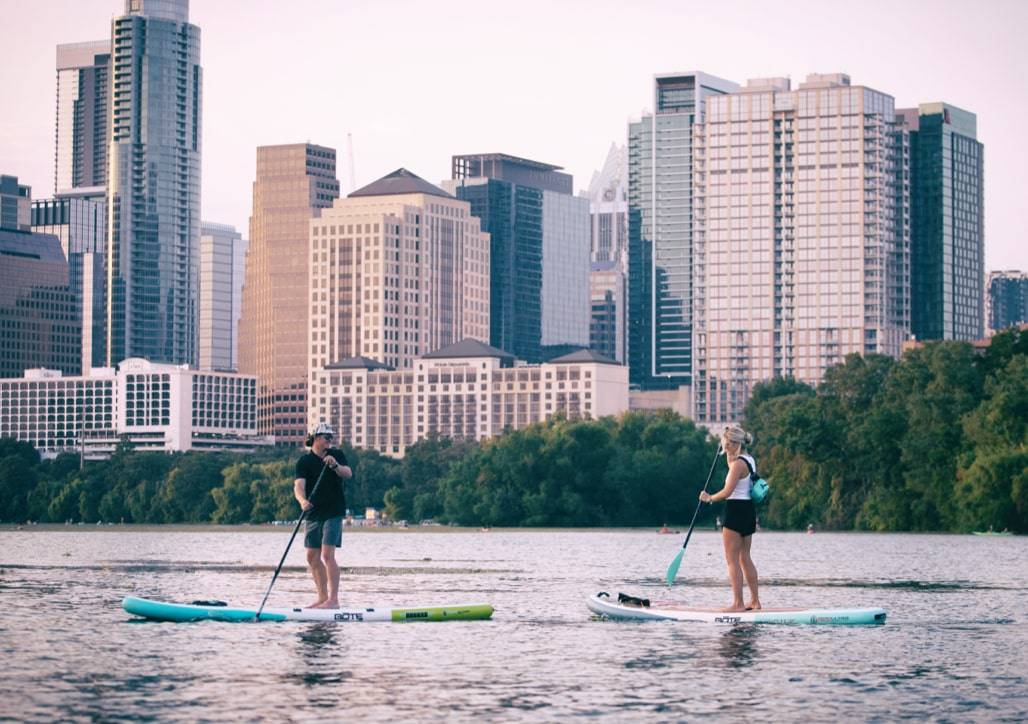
x=947 y=231
x=513 y=216
x=39 y=323
x=154 y=187
x=660 y=325
x=1008 y=299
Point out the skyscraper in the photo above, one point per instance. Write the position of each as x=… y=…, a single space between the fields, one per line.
x=154 y=184
x=608 y=208
x=1007 y=299
x=660 y=230
x=947 y=249
x=294 y=182
x=400 y=268
x=15 y=204
x=83 y=86
x=801 y=240
x=222 y=267
x=39 y=323
x=539 y=255
x=79 y=220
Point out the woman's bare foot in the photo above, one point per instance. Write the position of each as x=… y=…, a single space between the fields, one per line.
x=317 y=604
x=330 y=603
x=753 y=606
x=733 y=609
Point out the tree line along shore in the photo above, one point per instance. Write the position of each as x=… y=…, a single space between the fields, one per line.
x=935 y=441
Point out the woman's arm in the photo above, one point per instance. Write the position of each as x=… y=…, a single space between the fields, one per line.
x=736 y=472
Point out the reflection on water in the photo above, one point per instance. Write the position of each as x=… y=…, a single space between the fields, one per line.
x=70 y=652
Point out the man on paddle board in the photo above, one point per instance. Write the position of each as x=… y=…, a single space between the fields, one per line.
x=319 y=488
x=740 y=519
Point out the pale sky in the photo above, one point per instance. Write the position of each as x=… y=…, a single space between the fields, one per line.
x=555 y=81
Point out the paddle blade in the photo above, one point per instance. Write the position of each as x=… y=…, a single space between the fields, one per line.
x=672 y=570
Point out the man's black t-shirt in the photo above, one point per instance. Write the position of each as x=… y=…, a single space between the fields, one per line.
x=330 y=499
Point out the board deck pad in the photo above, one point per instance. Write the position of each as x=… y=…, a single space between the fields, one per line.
x=604 y=605
x=183 y=612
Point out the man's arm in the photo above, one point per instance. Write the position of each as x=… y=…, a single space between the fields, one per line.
x=300 y=493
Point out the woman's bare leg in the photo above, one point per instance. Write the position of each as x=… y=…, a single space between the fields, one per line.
x=733 y=542
x=749 y=572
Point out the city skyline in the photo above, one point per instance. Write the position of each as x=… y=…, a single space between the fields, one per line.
x=537 y=111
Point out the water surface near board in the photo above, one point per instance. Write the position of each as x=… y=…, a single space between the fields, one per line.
x=954 y=646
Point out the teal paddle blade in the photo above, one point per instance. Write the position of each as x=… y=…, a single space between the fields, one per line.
x=672 y=570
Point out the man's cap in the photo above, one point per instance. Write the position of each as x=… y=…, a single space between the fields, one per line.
x=323 y=428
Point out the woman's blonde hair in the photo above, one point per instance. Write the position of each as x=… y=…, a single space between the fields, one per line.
x=734 y=433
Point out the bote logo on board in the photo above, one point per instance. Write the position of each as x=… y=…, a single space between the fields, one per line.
x=727 y=619
x=347 y=616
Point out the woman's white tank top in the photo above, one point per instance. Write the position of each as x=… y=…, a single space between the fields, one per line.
x=742 y=487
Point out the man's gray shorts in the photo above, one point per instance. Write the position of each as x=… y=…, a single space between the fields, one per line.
x=324 y=533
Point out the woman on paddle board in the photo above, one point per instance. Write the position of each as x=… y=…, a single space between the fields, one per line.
x=319 y=489
x=740 y=519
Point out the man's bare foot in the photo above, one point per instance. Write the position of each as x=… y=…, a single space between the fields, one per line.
x=733 y=609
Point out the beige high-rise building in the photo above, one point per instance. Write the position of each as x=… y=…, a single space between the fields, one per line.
x=400 y=269
x=801 y=250
x=293 y=183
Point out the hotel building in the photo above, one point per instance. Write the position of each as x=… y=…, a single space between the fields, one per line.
x=467 y=390
x=801 y=235
x=153 y=407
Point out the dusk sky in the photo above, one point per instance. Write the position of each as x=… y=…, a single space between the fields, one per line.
x=417 y=82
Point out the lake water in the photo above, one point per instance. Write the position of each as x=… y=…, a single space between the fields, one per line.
x=954 y=647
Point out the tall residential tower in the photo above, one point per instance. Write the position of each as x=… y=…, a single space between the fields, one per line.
x=154 y=184
x=947 y=247
x=801 y=247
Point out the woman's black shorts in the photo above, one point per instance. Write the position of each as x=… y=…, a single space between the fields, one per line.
x=740 y=516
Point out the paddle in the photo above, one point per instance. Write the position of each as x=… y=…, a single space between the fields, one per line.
x=290 y=544
x=672 y=570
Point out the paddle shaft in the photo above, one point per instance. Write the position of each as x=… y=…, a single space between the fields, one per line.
x=697 y=511
x=303 y=514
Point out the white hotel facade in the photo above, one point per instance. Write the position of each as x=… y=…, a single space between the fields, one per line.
x=152 y=407
x=468 y=390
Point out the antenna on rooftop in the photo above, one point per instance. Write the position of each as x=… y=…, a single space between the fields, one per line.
x=349 y=152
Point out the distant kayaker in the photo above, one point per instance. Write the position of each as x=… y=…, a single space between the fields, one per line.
x=325 y=509
x=740 y=519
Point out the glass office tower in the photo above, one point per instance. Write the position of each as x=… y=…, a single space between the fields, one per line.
x=154 y=184
x=539 y=251
x=948 y=231
x=1007 y=299
x=83 y=86
x=660 y=229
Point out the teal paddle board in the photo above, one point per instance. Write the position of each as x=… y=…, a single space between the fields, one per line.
x=205 y=611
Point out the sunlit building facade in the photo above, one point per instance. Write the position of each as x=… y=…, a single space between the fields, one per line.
x=398 y=268
x=293 y=184
x=83 y=89
x=222 y=266
x=801 y=249
x=466 y=391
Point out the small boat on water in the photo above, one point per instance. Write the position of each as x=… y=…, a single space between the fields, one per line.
x=992 y=532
